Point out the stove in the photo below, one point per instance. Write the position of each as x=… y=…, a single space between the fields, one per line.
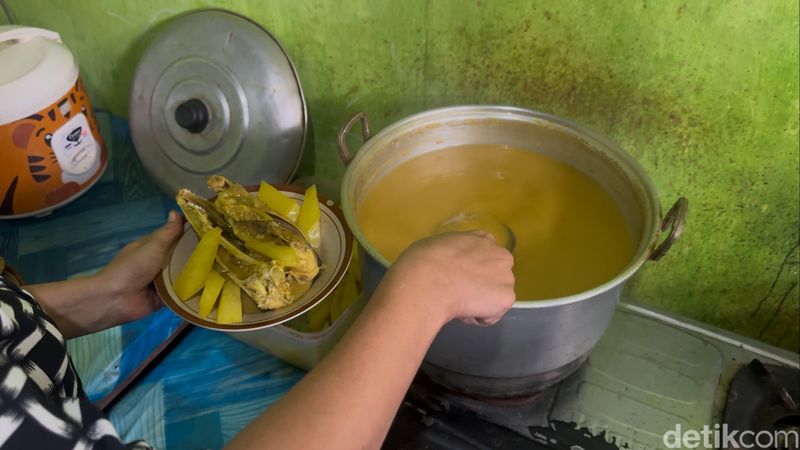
x=650 y=372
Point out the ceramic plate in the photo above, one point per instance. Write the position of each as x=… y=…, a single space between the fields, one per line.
x=335 y=250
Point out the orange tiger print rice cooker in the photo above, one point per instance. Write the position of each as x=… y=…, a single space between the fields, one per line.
x=51 y=150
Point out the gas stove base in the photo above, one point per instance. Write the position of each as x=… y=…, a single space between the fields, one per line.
x=649 y=373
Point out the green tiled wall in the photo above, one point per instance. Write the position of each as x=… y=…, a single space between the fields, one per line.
x=703 y=93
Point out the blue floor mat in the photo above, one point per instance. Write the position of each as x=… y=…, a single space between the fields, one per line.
x=205 y=390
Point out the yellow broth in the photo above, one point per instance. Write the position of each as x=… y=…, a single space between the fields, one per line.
x=570 y=234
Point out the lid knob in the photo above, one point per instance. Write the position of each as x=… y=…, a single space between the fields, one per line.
x=192 y=115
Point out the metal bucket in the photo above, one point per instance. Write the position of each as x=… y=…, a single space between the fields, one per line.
x=537 y=343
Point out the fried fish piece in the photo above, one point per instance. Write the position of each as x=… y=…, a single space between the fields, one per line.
x=251 y=219
x=243 y=217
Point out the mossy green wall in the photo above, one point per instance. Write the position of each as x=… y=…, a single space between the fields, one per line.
x=703 y=93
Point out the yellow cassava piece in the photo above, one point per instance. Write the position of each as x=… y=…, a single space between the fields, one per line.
x=308 y=219
x=282 y=253
x=210 y=293
x=278 y=202
x=230 y=304
x=194 y=273
x=319 y=316
x=350 y=290
x=338 y=305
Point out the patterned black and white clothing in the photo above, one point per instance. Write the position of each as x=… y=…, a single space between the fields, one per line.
x=42 y=402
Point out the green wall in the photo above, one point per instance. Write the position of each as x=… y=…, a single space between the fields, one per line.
x=703 y=93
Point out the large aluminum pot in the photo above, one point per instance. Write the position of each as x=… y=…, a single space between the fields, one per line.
x=537 y=342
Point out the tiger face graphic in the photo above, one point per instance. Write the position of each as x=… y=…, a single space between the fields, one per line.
x=48 y=157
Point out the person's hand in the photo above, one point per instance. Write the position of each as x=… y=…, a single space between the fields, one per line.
x=127 y=278
x=468 y=273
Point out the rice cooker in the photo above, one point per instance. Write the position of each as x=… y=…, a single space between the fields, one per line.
x=51 y=150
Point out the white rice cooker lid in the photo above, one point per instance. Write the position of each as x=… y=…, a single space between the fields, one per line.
x=36 y=69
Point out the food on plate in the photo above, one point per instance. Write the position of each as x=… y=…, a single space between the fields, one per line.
x=278 y=202
x=210 y=293
x=259 y=250
x=230 y=304
x=322 y=316
x=283 y=253
x=194 y=273
x=308 y=219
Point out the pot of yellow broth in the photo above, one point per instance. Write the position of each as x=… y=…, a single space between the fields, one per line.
x=578 y=213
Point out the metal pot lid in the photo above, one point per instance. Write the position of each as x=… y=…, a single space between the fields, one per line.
x=215 y=93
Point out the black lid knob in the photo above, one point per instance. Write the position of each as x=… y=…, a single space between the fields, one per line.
x=192 y=115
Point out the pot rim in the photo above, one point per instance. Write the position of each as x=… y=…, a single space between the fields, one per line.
x=651 y=229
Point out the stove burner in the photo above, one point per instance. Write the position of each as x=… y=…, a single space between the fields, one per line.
x=513 y=391
x=514 y=413
x=503 y=402
x=424 y=386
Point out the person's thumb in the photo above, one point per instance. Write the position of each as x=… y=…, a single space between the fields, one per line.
x=165 y=235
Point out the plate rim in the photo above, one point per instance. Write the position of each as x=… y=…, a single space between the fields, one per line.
x=171 y=303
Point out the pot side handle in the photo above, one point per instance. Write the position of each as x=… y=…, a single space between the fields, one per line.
x=344 y=152
x=673 y=222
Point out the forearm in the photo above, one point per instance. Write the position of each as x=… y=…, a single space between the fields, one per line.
x=78 y=306
x=350 y=399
